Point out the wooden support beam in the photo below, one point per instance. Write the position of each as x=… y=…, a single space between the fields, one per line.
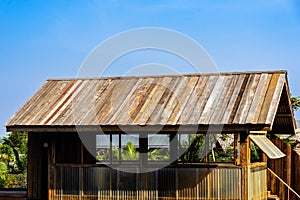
x=283 y=115
x=231 y=128
x=237 y=149
x=245 y=161
x=288 y=164
x=143 y=157
x=143 y=154
x=174 y=151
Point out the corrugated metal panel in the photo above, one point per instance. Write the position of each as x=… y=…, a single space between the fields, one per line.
x=167 y=183
x=267 y=146
x=228 y=98
x=257 y=182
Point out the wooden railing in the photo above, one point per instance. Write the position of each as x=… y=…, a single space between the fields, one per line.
x=104 y=183
x=280 y=188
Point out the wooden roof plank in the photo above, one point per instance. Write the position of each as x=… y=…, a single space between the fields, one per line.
x=36 y=103
x=221 y=105
x=268 y=99
x=68 y=104
x=234 y=100
x=137 y=101
x=125 y=102
x=229 y=99
x=81 y=105
x=212 y=101
x=208 y=88
x=151 y=102
x=194 y=98
x=18 y=116
x=183 y=100
x=98 y=101
x=259 y=97
x=37 y=114
x=51 y=115
x=111 y=106
x=276 y=99
x=247 y=99
x=173 y=101
x=157 y=113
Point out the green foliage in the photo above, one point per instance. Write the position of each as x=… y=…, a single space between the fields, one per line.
x=13 y=160
x=3 y=174
x=224 y=156
x=193 y=148
x=129 y=152
x=158 y=154
x=255 y=153
x=295 y=103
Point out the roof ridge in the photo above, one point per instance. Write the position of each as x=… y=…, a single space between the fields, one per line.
x=171 y=75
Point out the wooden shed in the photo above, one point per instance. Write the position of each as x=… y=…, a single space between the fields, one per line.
x=154 y=137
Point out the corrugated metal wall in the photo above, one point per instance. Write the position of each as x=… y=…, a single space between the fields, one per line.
x=172 y=183
x=257 y=183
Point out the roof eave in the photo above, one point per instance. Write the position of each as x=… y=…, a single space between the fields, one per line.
x=149 y=128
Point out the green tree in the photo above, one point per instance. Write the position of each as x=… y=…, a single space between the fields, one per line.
x=295 y=103
x=158 y=154
x=192 y=149
x=129 y=152
x=3 y=174
x=16 y=142
x=13 y=160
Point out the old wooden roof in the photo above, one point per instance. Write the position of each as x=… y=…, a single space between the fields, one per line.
x=232 y=99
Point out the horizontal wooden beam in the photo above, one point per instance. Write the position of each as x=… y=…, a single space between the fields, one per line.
x=283 y=115
x=151 y=128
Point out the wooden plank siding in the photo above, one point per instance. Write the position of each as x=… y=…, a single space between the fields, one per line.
x=287 y=169
x=37 y=180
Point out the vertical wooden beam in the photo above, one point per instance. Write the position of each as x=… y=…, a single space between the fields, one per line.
x=288 y=164
x=52 y=173
x=237 y=149
x=31 y=165
x=244 y=161
x=206 y=147
x=143 y=156
x=296 y=170
x=174 y=148
x=89 y=148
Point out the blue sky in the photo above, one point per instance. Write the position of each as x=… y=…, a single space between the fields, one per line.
x=50 y=39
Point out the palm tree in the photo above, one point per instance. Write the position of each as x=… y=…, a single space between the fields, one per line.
x=129 y=152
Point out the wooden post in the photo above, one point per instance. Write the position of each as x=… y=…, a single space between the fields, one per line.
x=31 y=168
x=288 y=164
x=50 y=174
x=206 y=147
x=244 y=161
x=237 y=149
x=174 y=148
x=143 y=156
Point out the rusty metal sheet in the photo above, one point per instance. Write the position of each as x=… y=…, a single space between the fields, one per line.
x=267 y=146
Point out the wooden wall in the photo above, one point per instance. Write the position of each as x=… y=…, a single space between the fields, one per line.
x=37 y=175
x=286 y=168
x=45 y=149
x=296 y=170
